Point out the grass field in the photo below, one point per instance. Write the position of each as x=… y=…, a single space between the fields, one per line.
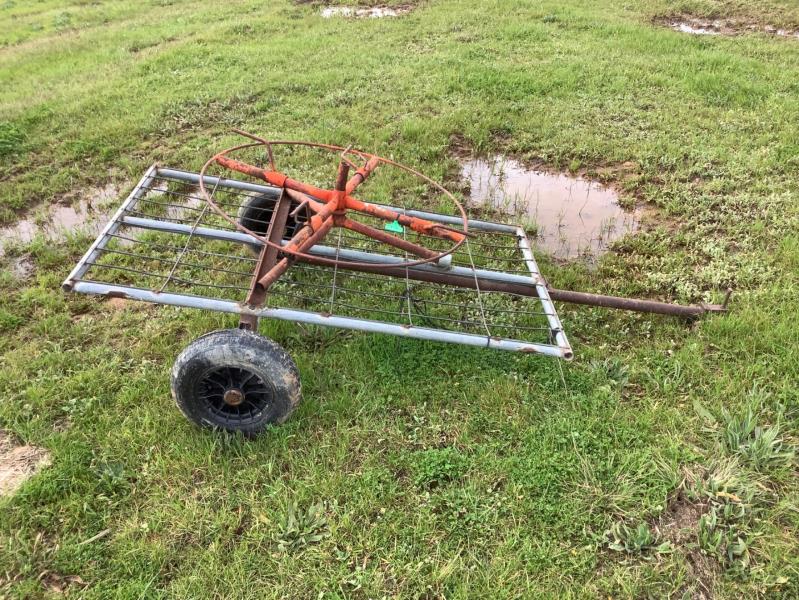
x=659 y=463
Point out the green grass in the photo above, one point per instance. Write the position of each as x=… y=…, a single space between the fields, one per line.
x=415 y=470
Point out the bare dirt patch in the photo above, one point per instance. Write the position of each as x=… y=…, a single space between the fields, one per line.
x=60 y=584
x=726 y=27
x=118 y=304
x=679 y=524
x=18 y=463
x=572 y=215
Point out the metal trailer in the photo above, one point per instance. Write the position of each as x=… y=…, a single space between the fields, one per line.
x=287 y=250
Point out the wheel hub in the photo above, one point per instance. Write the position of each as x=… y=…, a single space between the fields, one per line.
x=234 y=394
x=233 y=397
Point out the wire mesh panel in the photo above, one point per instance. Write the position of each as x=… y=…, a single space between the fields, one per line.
x=167 y=245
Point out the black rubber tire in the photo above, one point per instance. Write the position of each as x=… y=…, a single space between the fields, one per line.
x=256 y=213
x=238 y=359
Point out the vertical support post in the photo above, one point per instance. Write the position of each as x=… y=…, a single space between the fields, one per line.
x=341 y=188
x=315 y=230
x=266 y=260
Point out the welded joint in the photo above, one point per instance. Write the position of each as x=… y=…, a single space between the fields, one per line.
x=718 y=308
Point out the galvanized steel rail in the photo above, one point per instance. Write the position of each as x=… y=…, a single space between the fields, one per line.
x=87 y=276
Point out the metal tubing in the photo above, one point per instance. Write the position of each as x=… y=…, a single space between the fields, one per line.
x=645 y=306
x=387 y=238
x=304 y=239
x=219 y=181
x=109 y=229
x=362 y=174
x=541 y=289
x=228 y=306
x=273 y=178
x=325 y=251
x=459 y=276
x=449 y=278
x=275 y=192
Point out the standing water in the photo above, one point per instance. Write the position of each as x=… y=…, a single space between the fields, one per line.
x=88 y=214
x=375 y=12
x=572 y=216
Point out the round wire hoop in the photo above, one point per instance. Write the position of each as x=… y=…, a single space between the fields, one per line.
x=320 y=259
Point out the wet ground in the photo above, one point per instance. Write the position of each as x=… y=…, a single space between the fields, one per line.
x=374 y=12
x=18 y=463
x=572 y=216
x=726 y=27
x=22 y=267
x=695 y=28
x=88 y=213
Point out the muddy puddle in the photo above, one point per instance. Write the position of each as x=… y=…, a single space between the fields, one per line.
x=89 y=213
x=374 y=12
x=18 y=463
x=726 y=27
x=22 y=267
x=694 y=28
x=572 y=216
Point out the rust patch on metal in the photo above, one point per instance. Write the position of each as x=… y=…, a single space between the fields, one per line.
x=116 y=294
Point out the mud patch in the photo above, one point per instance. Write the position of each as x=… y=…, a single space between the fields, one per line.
x=679 y=522
x=572 y=216
x=22 y=267
x=373 y=12
x=727 y=27
x=18 y=463
x=695 y=28
x=117 y=304
x=88 y=213
x=60 y=584
x=679 y=525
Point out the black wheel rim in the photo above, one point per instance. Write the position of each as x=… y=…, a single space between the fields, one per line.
x=259 y=213
x=257 y=219
x=235 y=396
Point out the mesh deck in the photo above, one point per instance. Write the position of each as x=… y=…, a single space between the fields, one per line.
x=188 y=260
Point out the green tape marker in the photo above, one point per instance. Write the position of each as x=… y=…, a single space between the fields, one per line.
x=394 y=227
